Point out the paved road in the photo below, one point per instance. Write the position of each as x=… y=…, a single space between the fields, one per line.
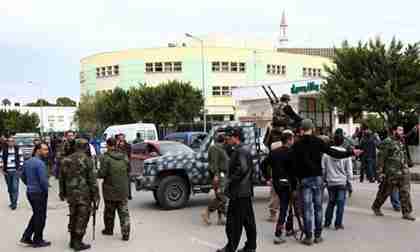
x=181 y=230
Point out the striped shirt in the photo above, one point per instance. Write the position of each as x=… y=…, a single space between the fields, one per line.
x=11 y=164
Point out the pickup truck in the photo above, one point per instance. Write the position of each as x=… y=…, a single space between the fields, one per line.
x=174 y=177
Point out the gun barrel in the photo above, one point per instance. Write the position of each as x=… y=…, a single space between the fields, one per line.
x=268 y=95
x=274 y=94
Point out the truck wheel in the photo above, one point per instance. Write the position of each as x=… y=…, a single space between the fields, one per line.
x=173 y=193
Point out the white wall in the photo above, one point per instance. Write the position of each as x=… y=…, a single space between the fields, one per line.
x=53 y=118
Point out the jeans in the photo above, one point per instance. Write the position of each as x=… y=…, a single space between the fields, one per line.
x=12 y=181
x=368 y=167
x=36 y=225
x=337 y=197
x=312 y=205
x=284 y=197
x=395 y=199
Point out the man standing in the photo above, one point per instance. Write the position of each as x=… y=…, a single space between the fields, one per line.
x=125 y=148
x=35 y=178
x=240 y=191
x=138 y=139
x=368 y=158
x=393 y=172
x=306 y=157
x=114 y=172
x=218 y=162
x=78 y=185
x=63 y=149
x=12 y=157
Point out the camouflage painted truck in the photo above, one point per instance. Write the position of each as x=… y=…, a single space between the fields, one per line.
x=173 y=178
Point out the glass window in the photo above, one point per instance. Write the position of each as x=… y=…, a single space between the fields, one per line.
x=103 y=72
x=319 y=73
x=158 y=67
x=215 y=66
x=226 y=91
x=278 y=69
x=304 y=73
x=98 y=72
x=225 y=66
x=342 y=119
x=310 y=72
x=168 y=67
x=283 y=70
x=242 y=67
x=109 y=71
x=61 y=118
x=116 y=70
x=268 y=69
x=234 y=67
x=216 y=91
x=149 y=67
x=178 y=66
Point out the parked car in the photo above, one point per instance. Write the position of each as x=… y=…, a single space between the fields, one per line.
x=174 y=177
x=192 y=139
x=25 y=141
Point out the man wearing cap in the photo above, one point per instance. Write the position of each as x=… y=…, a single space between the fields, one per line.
x=306 y=159
x=239 y=190
x=79 y=187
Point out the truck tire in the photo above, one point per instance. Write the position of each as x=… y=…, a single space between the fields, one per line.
x=173 y=193
x=155 y=197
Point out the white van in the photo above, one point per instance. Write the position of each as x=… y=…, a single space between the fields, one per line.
x=147 y=130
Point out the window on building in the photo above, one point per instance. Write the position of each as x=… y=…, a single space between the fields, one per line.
x=342 y=119
x=278 y=69
x=283 y=70
x=168 y=67
x=149 y=67
x=268 y=69
x=109 y=71
x=158 y=67
x=304 y=72
x=82 y=77
x=234 y=67
x=215 y=66
x=319 y=72
x=310 y=72
x=98 y=72
x=226 y=91
x=60 y=118
x=116 y=70
x=225 y=66
x=216 y=91
x=178 y=66
x=51 y=118
x=103 y=71
x=242 y=67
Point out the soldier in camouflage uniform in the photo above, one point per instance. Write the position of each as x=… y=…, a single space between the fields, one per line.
x=218 y=162
x=114 y=172
x=79 y=187
x=393 y=173
x=64 y=148
x=125 y=148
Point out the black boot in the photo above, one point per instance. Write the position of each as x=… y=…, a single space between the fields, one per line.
x=78 y=245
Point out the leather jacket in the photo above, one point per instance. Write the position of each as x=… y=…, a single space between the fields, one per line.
x=240 y=173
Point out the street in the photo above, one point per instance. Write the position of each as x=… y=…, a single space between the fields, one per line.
x=154 y=230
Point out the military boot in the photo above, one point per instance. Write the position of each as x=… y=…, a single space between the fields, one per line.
x=409 y=217
x=206 y=217
x=78 y=245
x=377 y=211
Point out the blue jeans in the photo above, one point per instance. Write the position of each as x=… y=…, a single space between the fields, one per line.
x=35 y=229
x=337 y=197
x=369 y=166
x=312 y=205
x=395 y=200
x=12 y=182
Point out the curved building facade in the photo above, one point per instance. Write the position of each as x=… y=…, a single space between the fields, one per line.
x=224 y=69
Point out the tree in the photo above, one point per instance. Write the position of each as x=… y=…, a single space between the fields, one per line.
x=85 y=116
x=112 y=107
x=40 y=103
x=65 y=102
x=6 y=102
x=377 y=78
x=168 y=103
x=14 y=121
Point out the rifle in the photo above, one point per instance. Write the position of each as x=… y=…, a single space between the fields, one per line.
x=274 y=95
x=268 y=95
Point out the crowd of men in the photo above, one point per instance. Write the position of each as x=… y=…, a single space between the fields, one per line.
x=76 y=163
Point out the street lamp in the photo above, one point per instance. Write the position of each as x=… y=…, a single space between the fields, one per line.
x=203 y=86
x=41 y=107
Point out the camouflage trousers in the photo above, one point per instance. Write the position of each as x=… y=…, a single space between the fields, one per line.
x=400 y=183
x=218 y=203
x=109 y=216
x=79 y=218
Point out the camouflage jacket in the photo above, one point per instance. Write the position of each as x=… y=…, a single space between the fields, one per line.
x=78 y=179
x=392 y=158
x=63 y=150
x=114 y=172
x=218 y=159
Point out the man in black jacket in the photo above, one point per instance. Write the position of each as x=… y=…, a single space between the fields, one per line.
x=11 y=158
x=239 y=189
x=306 y=158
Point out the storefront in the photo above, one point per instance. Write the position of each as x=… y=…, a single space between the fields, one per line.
x=253 y=104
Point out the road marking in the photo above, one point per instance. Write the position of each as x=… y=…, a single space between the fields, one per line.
x=370 y=212
x=195 y=240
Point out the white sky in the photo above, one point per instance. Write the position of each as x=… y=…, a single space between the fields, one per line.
x=43 y=40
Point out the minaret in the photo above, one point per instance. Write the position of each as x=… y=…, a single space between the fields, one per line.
x=283 y=31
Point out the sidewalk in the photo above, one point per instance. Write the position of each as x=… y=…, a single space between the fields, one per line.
x=415 y=173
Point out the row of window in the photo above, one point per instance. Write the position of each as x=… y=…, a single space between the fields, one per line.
x=228 y=67
x=311 y=72
x=164 y=67
x=107 y=71
x=222 y=90
x=52 y=118
x=276 y=69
